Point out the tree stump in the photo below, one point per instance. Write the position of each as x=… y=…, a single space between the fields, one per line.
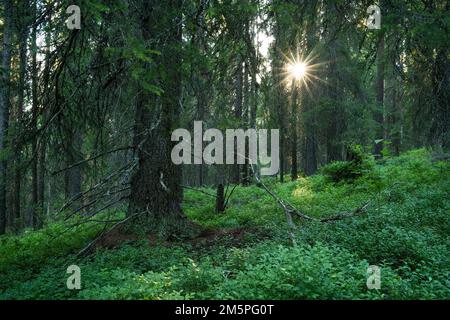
x=220 y=199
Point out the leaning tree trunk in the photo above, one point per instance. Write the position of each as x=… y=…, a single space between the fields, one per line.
x=156 y=194
x=4 y=106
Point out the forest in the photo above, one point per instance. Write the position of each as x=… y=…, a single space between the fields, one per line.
x=224 y=150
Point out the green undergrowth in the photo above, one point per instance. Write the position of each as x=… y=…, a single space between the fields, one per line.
x=405 y=231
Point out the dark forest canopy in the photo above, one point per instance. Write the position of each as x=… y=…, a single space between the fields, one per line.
x=87 y=112
x=88 y=103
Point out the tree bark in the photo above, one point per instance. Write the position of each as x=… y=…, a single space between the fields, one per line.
x=4 y=107
x=336 y=119
x=18 y=117
x=440 y=129
x=238 y=114
x=156 y=194
x=279 y=101
x=308 y=114
x=379 y=87
x=245 y=123
x=35 y=208
x=220 y=199
x=294 y=134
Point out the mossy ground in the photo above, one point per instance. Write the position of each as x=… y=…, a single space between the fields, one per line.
x=246 y=252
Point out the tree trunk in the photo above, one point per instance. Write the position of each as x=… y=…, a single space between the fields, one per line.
x=156 y=194
x=394 y=118
x=244 y=123
x=40 y=183
x=200 y=117
x=379 y=87
x=310 y=154
x=309 y=138
x=440 y=130
x=294 y=134
x=23 y=36
x=39 y=213
x=253 y=111
x=334 y=145
x=35 y=209
x=308 y=114
x=238 y=115
x=251 y=100
x=220 y=199
x=278 y=100
x=4 y=106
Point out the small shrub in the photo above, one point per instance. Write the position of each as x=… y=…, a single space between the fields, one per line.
x=348 y=171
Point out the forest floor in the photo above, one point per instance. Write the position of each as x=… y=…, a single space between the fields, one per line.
x=247 y=253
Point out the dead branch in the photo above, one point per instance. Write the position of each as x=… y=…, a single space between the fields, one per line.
x=228 y=196
x=129 y=166
x=105 y=232
x=92 y=158
x=198 y=190
x=289 y=209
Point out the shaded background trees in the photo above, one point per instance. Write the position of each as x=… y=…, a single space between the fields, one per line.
x=78 y=108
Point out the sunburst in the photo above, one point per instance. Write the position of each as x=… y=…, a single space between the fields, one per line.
x=300 y=70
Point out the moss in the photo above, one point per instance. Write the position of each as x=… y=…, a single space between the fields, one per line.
x=405 y=232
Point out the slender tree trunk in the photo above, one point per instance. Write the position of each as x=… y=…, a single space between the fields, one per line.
x=282 y=146
x=238 y=114
x=251 y=100
x=394 y=118
x=35 y=212
x=440 y=131
x=311 y=154
x=23 y=36
x=253 y=110
x=220 y=199
x=379 y=87
x=294 y=134
x=40 y=218
x=278 y=100
x=334 y=146
x=309 y=138
x=246 y=123
x=308 y=114
x=201 y=174
x=4 y=106
x=201 y=106
x=202 y=79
